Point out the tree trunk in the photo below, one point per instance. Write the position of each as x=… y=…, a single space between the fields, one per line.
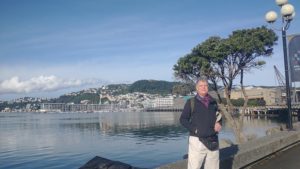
x=241 y=119
x=215 y=88
x=234 y=122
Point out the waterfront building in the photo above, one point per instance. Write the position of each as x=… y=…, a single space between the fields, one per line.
x=63 y=107
x=6 y=109
x=53 y=107
x=163 y=102
x=272 y=96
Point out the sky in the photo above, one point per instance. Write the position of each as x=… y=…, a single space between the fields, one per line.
x=52 y=47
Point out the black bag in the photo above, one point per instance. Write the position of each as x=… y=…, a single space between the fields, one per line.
x=211 y=142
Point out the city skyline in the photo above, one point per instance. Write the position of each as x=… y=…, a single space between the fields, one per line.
x=48 y=48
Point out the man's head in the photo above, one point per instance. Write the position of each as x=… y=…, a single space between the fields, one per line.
x=202 y=87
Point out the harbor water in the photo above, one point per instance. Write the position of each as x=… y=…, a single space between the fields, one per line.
x=69 y=140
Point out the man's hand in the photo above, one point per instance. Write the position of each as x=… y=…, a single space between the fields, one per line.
x=218 y=127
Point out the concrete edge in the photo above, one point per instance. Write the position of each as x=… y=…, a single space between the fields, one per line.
x=239 y=156
x=251 y=152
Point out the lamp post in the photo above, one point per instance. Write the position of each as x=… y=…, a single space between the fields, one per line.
x=287 y=15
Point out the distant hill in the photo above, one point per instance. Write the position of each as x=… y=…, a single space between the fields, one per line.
x=152 y=87
x=92 y=95
x=144 y=86
x=93 y=98
x=117 y=89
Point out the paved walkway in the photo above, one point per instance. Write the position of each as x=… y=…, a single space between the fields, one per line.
x=288 y=159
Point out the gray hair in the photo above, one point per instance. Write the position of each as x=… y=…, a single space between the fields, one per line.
x=201 y=79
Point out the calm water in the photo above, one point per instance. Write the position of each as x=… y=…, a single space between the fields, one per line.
x=69 y=140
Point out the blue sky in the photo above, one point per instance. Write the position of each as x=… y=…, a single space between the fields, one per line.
x=50 y=47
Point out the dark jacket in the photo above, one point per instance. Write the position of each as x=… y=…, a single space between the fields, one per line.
x=202 y=121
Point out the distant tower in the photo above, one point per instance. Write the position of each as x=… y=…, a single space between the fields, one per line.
x=100 y=95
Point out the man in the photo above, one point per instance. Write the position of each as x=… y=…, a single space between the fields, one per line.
x=201 y=118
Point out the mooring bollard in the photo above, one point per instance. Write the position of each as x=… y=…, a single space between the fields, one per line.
x=103 y=163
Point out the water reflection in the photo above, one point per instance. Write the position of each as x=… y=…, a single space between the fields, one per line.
x=68 y=140
x=166 y=124
x=136 y=120
x=141 y=124
x=152 y=125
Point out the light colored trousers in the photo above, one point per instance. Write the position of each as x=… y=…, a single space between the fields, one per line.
x=198 y=153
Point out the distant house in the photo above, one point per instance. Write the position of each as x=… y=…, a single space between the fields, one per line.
x=7 y=109
x=85 y=102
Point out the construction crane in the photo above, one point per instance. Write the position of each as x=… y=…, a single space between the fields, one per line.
x=280 y=78
x=294 y=94
x=281 y=83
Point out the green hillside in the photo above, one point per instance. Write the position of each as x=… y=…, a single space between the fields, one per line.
x=152 y=87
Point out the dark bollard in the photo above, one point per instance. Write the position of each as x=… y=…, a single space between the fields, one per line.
x=103 y=163
x=298 y=114
x=185 y=156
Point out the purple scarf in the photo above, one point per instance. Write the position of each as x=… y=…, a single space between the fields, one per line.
x=205 y=100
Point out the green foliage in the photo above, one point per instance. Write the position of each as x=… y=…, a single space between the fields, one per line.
x=152 y=87
x=256 y=102
x=183 y=89
x=105 y=100
x=15 y=105
x=238 y=102
x=117 y=89
x=3 y=105
x=224 y=59
x=92 y=97
x=251 y=102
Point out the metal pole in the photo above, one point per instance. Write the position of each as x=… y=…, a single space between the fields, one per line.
x=287 y=80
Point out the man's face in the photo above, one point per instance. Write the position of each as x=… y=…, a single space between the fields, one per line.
x=202 y=88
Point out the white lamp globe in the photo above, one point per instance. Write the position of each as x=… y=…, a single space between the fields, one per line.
x=287 y=10
x=281 y=2
x=271 y=16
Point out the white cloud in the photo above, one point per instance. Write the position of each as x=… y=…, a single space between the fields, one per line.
x=39 y=84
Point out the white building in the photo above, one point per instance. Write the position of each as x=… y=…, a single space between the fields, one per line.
x=163 y=102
